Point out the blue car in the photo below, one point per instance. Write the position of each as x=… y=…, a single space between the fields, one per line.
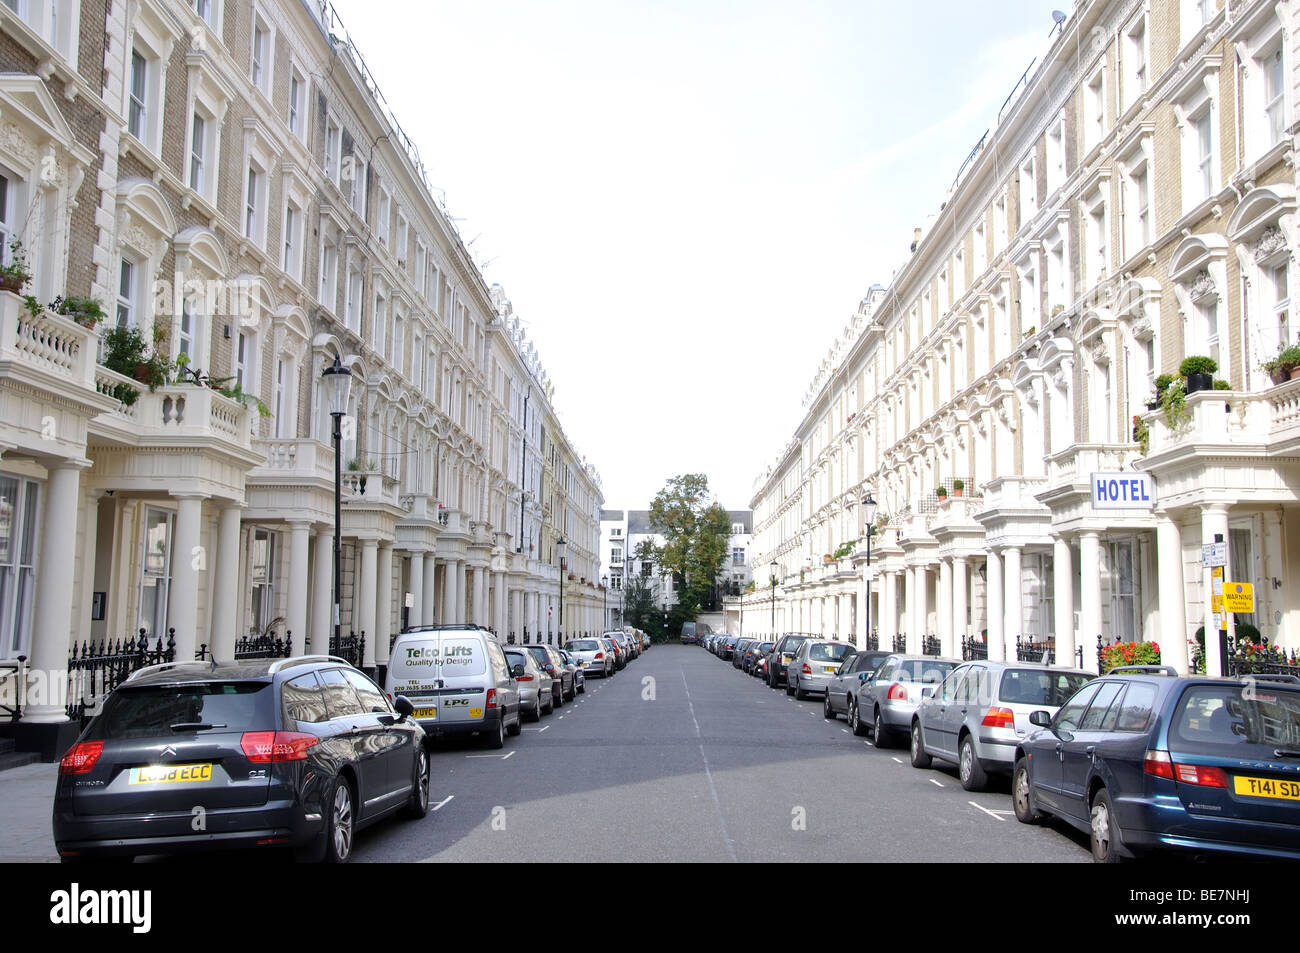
x=1144 y=759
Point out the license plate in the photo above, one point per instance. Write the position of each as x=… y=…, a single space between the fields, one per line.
x=476 y=712
x=425 y=713
x=171 y=774
x=832 y=668
x=1267 y=787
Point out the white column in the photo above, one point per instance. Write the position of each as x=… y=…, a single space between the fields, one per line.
x=916 y=642
x=462 y=571
x=945 y=609
x=296 y=620
x=516 y=622
x=225 y=585
x=322 y=590
x=51 y=608
x=864 y=609
x=1063 y=601
x=383 y=602
x=888 y=610
x=448 y=613
x=500 y=605
x=417 y=587
x=427 y=605
x=481 y=615
x=1214 y=520
x=1089 y=596
x=993 y=592
x=1014 y=602
x=365 y=601
x=1172 y=595
x=183 y=596
x=89 y=546
x=909 y=608
x=959 y=580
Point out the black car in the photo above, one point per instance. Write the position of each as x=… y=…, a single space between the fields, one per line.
x=787 y=647
x=296 y=752
x=548 y=657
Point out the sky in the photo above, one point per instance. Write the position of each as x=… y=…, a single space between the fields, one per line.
x=685 y=200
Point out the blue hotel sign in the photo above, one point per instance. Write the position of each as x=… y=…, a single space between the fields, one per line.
x=1123 y=491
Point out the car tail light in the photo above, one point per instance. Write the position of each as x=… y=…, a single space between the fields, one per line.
x=999 y=718
x=897 y=693
x=272 y=747
x=1158 y=764
x=807 y=669
x=81 y=757
x=491 y=698
x=1201 y=775
x=599 y=656
x=523 y=678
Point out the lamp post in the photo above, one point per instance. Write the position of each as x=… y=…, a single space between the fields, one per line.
x=562 y=547
x=772 y=570
x=604 y=597
x=869 y=516
x=338 y=386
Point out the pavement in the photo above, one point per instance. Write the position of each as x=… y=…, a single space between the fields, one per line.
x=26 y=809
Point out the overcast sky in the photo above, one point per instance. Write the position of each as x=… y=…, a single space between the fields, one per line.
x=685 y=200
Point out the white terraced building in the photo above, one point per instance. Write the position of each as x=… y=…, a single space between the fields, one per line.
x=224 y=174
x=1133 y=204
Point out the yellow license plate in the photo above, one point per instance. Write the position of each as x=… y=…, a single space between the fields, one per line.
x=476 y=712
x=425 y=713
x=1267 y=787
x=171 y=774
x=832 y=668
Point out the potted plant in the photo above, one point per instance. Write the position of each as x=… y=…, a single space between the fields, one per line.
x=127 y=353
x=15 y=275
x=87 y=312
x=958 y=487
x=1284 y=367
x=1173 y=401
x=942 y=494
x=1198 y=371
x=1057 y=309
x=1162 y=385
x=1141 y=434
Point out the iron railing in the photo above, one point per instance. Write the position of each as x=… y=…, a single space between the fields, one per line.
x=873 y=641
x=95 y=669
x=351 y=648
x=931 y=645
x=1033 y=651
x=900 y=642
x=973 y=649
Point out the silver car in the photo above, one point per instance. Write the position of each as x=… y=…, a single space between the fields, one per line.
x=814 y=667
x=854 y=670
x=594 y=657
x=578 y=670
x=885 y=702
x=980 y=712
x=536 y=694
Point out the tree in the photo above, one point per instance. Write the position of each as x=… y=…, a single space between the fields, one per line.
x=696 y=536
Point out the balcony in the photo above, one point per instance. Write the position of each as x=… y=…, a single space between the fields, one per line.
x=1073 y=467
x=1219 y=420
x=376 y=488
x=298 y=460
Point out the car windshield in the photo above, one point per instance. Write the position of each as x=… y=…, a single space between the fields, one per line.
x=151 y=712
x=583 y=645
x=922 y=670
x=792 y=644
x=1027 y=686
x=1227 y=720
x=827 y=652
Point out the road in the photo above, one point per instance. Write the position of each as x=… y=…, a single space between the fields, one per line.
x=681 y=757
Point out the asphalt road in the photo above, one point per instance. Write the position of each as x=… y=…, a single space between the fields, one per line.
x=681 y=757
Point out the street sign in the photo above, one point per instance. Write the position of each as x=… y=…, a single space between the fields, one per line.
x=1123 y=491
x=1239 y=596
x=1214 y=554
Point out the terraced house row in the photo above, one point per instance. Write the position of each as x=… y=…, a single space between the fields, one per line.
x=225 y=178
x=1133 y=205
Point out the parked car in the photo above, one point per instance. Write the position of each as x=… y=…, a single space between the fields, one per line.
x=785 y=650
x=458 y=679
x=593 y=654
x=738 y=651
x=886 y=700
x=300 y=752
x=536 y=691
x=728 y=647
x=853 y=671
x=976 y=716
x=578 y=670
x=753 y=654
x=620 y=657
x=1141 y=761
x=814 y=666
x=548 y=657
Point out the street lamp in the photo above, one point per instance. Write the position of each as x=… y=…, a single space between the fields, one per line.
x=773 y=576
x=337 y=381
x=869 y=516
x=562 y=547
x=604 y=597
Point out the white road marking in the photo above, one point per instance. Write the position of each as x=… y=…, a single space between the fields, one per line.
x=986 y=811
x=509 y=756
x=499 y=757
x=542 y=729
x=443 y=803
x=845 y=730
x=936 y=783
x=726 y=838
x=899 y=760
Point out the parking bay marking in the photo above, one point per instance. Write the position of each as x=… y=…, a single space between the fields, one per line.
x=936 y=783
x=997 y=814
x=443 y=803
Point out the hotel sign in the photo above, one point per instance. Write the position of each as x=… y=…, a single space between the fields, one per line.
x=1130 y=490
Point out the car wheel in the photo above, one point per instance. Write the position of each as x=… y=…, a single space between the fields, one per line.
x=879 y=733
x=919 y=758
x=1104 y=829
x=789 y=688
x=497 y=739
x=537 y=709
x=418 y=806
x=855 y=723
x=1022 y=795
x=558 y=700
x=341 y=822
x=582 y=689
x=550 y=705
x=827 y=711
x=518 y=725
x=969 y=768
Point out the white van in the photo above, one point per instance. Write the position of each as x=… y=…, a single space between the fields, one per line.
x=459 y=681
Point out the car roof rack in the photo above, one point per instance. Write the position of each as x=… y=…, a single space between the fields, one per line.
x=1271 y=677
x=441 y=626
x=165 y=666
x=302 y=660
x=1144 y=670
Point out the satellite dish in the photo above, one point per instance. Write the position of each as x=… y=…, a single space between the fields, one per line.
x=1058 y=16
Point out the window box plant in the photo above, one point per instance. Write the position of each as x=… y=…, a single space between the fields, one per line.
x=87 y=312
x=958 y=488
x=127 y=353
x=942 y=493
x=1284 y=367
x=15 y=276
x=1198 y=371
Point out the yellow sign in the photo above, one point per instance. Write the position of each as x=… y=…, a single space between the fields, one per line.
x=1238 y=597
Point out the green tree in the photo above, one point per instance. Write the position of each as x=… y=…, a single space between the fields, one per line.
x=696 y=537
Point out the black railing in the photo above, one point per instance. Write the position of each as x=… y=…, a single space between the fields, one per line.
x=19 y=667
x=268 y=645
x=1269 y=660
x=351 y=648
x=973 y=649
x=900 y=642
x=931 y=645
x=95 y=669
x=873 y=641
x=1033 y=651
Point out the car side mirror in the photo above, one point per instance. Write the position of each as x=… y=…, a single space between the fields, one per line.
x=402 y=705
x=517 y=670
x=864 y=676
x=927 y=691
x=1040 y=719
